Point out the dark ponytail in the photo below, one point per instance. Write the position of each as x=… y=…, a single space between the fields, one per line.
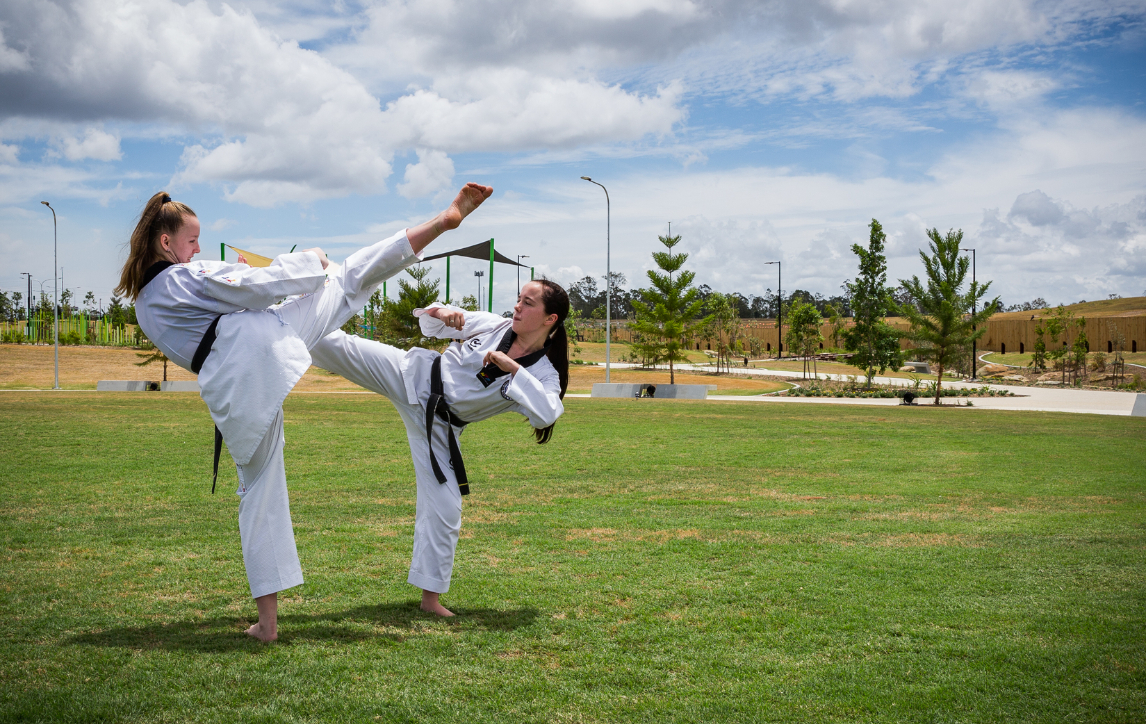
x=556 y=302
x=160 y=216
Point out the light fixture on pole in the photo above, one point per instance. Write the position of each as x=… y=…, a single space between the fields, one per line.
x=56 y=305
x=519 y=258
x=608 y=280
x=779 y=303
x=974 y=309
x=479 y=275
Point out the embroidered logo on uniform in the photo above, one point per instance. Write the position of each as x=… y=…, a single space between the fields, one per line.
x=473 y=342
x=505 y=389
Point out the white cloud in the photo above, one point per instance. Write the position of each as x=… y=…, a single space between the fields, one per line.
x=94 y=144
x=277 y=122
x=433 y=172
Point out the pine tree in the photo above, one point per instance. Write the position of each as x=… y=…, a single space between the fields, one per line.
x=874 y=344
x=943 y=324
x=399 y=325
x=667 y=313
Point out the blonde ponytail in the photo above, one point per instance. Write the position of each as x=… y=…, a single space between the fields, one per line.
x=160 y=216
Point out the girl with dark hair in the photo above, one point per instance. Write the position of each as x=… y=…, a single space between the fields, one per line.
x=494 y=365
x=216 y=319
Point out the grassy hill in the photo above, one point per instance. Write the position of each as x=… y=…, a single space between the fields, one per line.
x=1127 y=307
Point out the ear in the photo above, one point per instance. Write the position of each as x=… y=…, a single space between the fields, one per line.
x=551 y=320
x=165 y=242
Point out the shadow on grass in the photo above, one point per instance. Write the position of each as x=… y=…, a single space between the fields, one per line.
x=394 y=622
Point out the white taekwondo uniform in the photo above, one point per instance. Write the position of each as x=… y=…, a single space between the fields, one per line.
x=404 y=378
x=258 y=355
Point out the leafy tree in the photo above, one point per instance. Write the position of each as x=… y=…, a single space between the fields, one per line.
x=838 y=322
x=1079 y=350
x=583 y=295
x=943 y=323
x=803 y=335
x=18 y=306
x=667 y=312
x=723 y=326
x=90 y=302
x=1059 y=323
x=7 y=308
x=873 y=343
x=401 y=327
x=571 y=321
x=1039 y=354
x=469 y=303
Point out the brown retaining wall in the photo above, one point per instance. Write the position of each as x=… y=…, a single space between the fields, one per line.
x=1006 y=335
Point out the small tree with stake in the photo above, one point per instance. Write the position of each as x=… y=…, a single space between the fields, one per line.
x=667 y=313
x=943 y=323
x=874 y=343
x=804 y=333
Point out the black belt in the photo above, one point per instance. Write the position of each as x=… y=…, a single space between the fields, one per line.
x=437 y=406
x=197 y=361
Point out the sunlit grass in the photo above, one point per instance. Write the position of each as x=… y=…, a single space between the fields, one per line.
x=657 y=561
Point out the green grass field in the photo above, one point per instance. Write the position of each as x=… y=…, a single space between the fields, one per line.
x=659 y=561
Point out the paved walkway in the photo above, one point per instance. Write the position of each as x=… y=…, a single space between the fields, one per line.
x=1041 y=399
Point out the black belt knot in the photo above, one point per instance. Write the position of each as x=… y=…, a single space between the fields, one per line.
x=437 y=406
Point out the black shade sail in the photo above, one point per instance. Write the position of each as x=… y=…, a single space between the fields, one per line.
x=478 y=251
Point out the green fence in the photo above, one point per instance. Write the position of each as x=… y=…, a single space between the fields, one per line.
x=76 y=329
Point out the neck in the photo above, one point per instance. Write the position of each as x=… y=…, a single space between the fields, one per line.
x=530 y=341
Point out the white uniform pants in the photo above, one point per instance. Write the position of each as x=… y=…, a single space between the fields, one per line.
x=269 y=552
x=265 y=529
x=438 y=515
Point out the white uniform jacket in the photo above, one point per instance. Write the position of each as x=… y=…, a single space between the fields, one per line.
x=533 y=391
x=257 y=357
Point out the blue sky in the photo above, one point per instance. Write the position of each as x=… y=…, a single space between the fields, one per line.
x=761 y=130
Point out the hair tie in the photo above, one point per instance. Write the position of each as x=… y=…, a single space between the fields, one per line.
x=166 y=198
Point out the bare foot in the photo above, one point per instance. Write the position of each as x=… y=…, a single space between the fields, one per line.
x=469 y=198
x=431 y=604
x=257 y=632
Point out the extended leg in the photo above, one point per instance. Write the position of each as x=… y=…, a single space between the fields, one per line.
x=265 y=529
x=348 y=287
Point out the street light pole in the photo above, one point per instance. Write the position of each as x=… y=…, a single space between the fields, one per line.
x=779 y=304
x=479 y=275
x=974 y=310
x=28 y=301
x=608 y=279
x=56 y=305
x=519 y=258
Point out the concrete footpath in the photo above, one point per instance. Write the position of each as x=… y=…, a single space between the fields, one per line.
x=1039 y=399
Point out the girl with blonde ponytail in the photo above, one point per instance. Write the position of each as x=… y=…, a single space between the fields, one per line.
x=220 y=320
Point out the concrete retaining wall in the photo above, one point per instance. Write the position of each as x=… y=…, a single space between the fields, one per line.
x=147 y=386
x=663 y=392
